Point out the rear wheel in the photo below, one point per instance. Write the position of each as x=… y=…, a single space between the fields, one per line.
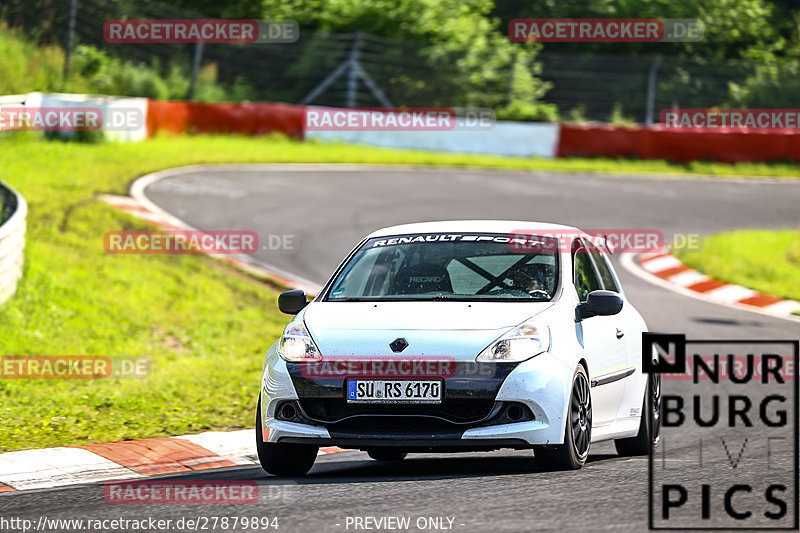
x=386 y=454
x=283 y=459
x=572 y=454
x=646 y=440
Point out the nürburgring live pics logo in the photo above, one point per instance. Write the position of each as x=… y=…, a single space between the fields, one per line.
x=728 y=455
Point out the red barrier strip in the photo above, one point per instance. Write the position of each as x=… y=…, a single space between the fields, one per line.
x=668 y=273
x=706 y=286
x=159 y=456
x=761 y=300
x=653 y=257
x=682 y=145
x=258 y=118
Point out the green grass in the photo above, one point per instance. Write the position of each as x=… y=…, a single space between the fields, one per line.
x=204 y=325
x=764 y=260
x=28 y=67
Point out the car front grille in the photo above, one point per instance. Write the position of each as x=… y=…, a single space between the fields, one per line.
x=454 y=411
x=446 y=420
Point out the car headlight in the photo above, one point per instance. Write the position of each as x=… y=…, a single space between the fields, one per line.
x=521 y=343
x=296 y=345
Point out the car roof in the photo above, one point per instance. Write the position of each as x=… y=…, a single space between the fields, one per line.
x=472 y=226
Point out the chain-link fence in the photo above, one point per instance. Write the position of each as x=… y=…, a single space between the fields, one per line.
x=637 y=88
x=357 y=69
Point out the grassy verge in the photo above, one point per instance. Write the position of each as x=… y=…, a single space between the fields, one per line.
x=204 y=326
x=764 y=260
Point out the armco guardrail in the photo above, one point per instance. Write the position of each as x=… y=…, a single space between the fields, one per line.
x=13 y=211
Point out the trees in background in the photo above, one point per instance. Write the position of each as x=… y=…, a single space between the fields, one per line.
x=437 y=52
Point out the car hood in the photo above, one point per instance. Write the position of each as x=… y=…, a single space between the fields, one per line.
x=455 y=329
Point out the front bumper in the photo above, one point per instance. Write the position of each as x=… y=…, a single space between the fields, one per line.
x=484 y=407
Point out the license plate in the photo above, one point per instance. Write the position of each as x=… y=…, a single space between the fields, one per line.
x=394 y=391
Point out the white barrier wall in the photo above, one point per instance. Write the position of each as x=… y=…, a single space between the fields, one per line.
x=113 y=108
x=522 y=139
x=12 y=244
x=504 y=138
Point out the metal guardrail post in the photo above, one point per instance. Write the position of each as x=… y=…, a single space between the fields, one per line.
x=355 y=72
x=12 y=240
x=198 y=57
x=651 y=90
x=73 y=8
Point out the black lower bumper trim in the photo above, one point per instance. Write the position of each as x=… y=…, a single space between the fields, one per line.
x=415 y=445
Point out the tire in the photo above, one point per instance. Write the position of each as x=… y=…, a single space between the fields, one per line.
x=386 y=454
x=645 y=442
x=282 y=459
x=572 y=454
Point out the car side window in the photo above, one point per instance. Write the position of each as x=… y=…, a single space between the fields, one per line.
x=586 y=279
x=601 y=262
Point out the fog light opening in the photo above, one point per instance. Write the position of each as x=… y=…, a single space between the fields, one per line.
x=288 y=411
x=515 y=413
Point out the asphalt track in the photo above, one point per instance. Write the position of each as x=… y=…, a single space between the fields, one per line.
x=327 y=211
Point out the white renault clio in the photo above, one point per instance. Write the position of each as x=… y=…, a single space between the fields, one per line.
x=460 y=336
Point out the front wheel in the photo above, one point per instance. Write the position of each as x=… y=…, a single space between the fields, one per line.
x=283 y=459
x=645 y=442
x=572 y=454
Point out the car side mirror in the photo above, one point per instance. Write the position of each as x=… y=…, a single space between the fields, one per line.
x=599 y=303
x=292 y=302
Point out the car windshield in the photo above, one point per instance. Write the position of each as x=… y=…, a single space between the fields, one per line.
x=440 y=266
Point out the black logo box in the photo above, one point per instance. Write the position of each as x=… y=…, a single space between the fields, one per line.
x=678 y=366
